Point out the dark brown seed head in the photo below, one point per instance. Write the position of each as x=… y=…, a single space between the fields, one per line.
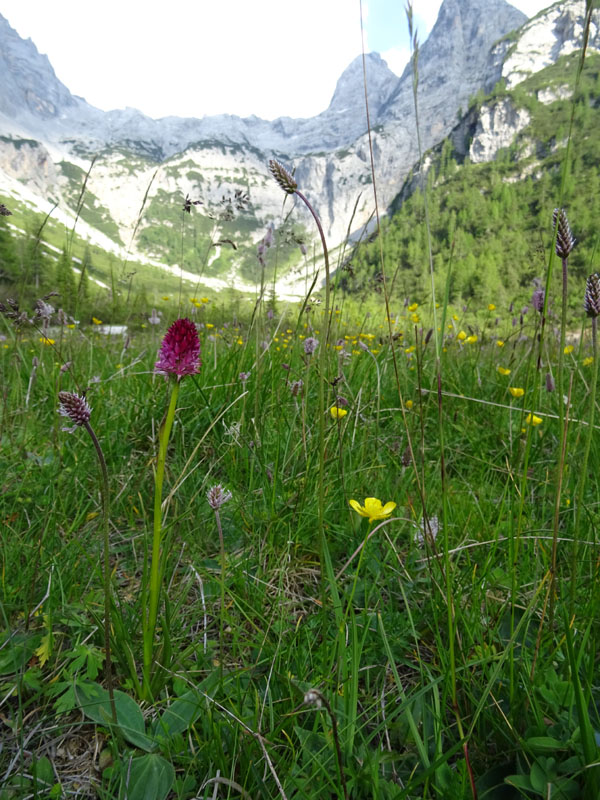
x=591 y=301
x=283 y=177
x=565 y=241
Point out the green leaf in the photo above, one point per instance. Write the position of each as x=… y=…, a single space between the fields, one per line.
x=95 y=704
x=150 y=778
x=519 y=782
x=545 y=744
x=541 y=777
x=43 y=774
x=17 y=652
x=179 y=715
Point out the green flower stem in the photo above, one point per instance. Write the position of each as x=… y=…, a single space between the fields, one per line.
x=105 y=519
x=155 y=571
x=583 y=472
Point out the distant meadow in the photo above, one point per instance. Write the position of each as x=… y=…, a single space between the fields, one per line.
x=345 y=547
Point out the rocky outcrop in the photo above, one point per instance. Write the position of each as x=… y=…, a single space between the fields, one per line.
x=556 y=32
x=497 y=127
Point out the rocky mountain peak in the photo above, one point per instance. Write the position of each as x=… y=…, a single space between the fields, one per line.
x=30 y=88
x=350 y=86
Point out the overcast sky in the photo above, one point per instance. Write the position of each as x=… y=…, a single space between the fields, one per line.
x=201 y=57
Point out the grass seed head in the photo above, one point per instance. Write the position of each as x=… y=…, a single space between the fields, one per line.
x=591 y=301
x=565 y=241
x=283 y=177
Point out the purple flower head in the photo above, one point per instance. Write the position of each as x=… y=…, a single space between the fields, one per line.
x=217 y=496
x=179 y=352
x=74 y=407
x=537 y=300
x=310 y=345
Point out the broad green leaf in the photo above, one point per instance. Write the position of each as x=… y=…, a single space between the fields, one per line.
x=179 y=715
x=150 y=778
x=95 y=704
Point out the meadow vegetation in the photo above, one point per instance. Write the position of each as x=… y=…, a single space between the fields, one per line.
x=338 y=551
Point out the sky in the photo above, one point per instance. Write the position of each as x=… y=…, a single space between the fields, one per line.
x=202 y=57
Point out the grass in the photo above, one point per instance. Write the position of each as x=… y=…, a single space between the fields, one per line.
x=373 y=641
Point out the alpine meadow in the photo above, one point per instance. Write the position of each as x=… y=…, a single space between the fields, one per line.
x=299 y=487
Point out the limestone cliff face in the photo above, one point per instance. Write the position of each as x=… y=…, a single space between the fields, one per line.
x=497 y=127
x=556 y=32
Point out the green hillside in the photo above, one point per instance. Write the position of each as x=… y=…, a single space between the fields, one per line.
x=491 y=223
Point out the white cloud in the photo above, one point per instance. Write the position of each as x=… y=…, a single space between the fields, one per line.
x=397 y=58
x=268 y=57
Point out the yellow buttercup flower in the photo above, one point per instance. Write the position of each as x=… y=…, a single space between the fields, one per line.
x=45 y=340
x=587 y=361
x=491 y=307
x=503 y=371
x=96 y=321
x=373 y=508
x=471 y=339
x=516 y=391
x=568 y=349
x=337 y=413
x=409 y=404
x=500 y=343
x=531 y=419
x=413 y=307
x=415 y=318
x=462 y=336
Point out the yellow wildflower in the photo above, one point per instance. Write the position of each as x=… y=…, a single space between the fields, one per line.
x=491 y=307
x=96 y=321
x=204 y=300
x=337 y=413
x=516 y=391
x=587 y=361
x=45 y=340
x=531 y=419
x=500 y=343
x=568 y=349
x=413 y=307
x=471 y=339
x=462 y=336
x=166 y=297
x=503 y=371
x=409 y=404
x=415 y=318
x=373 y=508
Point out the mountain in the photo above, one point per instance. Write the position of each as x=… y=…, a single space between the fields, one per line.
x=49 y=137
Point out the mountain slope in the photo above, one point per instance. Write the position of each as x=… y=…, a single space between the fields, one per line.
x=143 y=169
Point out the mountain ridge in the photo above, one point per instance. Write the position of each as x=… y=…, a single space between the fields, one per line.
x=466 y=53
